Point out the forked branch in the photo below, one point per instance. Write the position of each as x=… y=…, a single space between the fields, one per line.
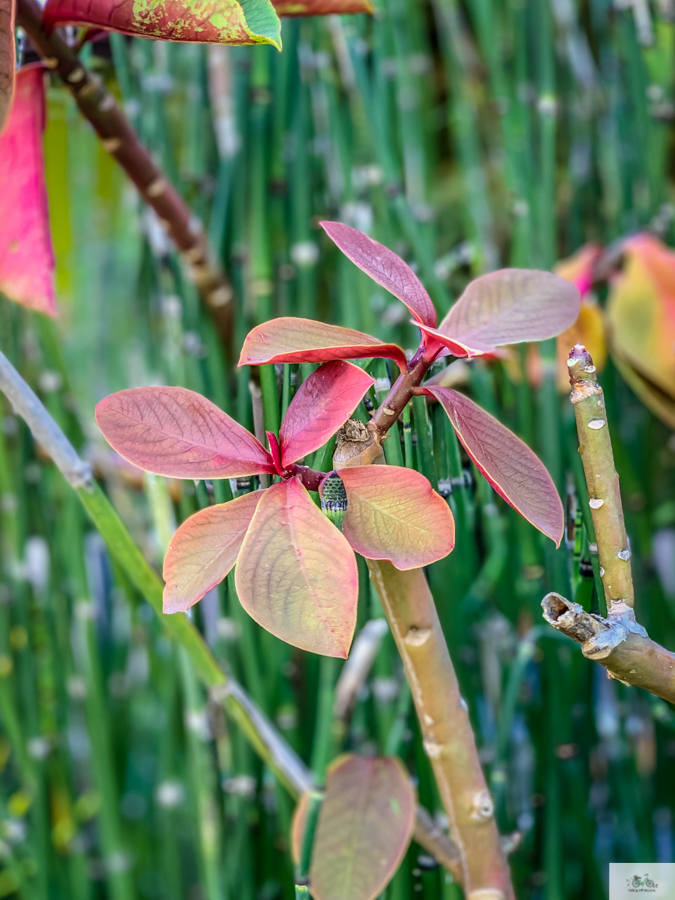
x=617 y=642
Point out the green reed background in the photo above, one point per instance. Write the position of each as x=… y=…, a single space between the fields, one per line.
x=466 y=137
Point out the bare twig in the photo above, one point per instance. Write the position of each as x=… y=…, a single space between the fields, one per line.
x=45 y=430
x=100 y=108
x=595 y=448
x=355 y=671
x=429 y=836
x=618 y=643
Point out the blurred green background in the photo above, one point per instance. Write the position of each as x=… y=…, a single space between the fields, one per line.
x=465 y=137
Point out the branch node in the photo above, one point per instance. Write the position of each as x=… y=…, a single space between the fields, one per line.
x=483 y=808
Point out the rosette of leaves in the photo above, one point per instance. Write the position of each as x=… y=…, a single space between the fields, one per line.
x=504 y=307
x=296 y=573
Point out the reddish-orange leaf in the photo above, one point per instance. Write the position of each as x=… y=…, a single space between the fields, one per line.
x=512 y=305
x=393 y=513
x=204 y=549
x=287 y=8
x=175 y=432
x=296 y=574
x=384 y=267
x=641 y=311
x=580 y=267
x=211 y=21
x=303 y=340
x=365 y=826
x=453 y=346
x=26 y=258
x=7 y=58
x=512 y=469
x=322 y=404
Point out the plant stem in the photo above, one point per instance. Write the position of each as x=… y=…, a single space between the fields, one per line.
x=618 y=642
x=595 y=448
x=100 y=108
x=448 y=736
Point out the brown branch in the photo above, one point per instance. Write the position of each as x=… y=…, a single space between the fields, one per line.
x=100 y=108
x=618 y=643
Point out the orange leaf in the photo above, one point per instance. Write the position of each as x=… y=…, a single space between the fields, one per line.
x=322 y=404
x=7 y=58
x=175 y=432
x=26 y=257
x=302 y=340
x=512 y=469
x=641 y=311
x=204 y=550
x=211 y=21
x=384 y=267
x=393 y=513
x=364 y=829
x=510 y=306
x=296 y=574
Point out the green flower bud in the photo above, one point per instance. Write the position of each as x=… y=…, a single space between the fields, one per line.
x=334 y=499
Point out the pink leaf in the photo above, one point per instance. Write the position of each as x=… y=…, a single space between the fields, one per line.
x=26 y=257
x=176 y=432
x=512 y=469
x=452 y=345
x=296 y=574
x=275 y=451
x=7 y=58
x=304 y=340
x=322 y=404
x=395 y=514
x=212 y=21
x=384 y=267
x=510 y=306
x=365 y=825
x=204 y=549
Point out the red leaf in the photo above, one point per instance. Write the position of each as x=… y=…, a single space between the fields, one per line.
x=176 y=432
x=275 y=451
x=455 y=347
x=512 y=469
x=302 y=340
x=322 y=404
x=286 y=8
x=204 y=549
x=384 y=267
x=296 y=574
x=7 y=58
x=365 y=825
x=211 y=21
x=393 y=513
x=510 y=306
x=26 y=257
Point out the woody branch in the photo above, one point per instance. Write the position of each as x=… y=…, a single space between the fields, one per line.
x=117 y=136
